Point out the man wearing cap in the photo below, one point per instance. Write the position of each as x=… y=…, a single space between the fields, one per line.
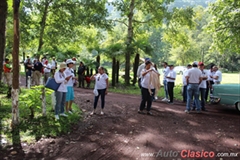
x=194 y=78
x=217 y=78
x=70 y=92
x=189 y=66
x=140 y=68
x=165 y=73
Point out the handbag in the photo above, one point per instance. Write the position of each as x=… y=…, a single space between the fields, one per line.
x=95 y=91
x=52 y=84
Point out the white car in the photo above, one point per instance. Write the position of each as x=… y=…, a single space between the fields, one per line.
x=180 y=69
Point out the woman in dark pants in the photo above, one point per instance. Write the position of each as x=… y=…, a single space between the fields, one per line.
x=170 y=83
x=146 y=96
x=101 y=84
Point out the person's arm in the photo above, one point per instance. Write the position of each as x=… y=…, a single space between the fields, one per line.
x=93 y=77
x=171 y=77
x=200 y=80
x=146 y=72
x=107 y=86
x=187 y=79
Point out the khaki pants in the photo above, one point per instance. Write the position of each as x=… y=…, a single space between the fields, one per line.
x=37 y=76
x=8 y=78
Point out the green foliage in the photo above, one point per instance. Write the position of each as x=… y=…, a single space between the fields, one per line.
x=33 y=128
x=224 y=26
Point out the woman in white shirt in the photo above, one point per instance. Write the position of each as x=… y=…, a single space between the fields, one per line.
x=101 y=84
x=60 y=94
x=146 y=84
x=170 y=83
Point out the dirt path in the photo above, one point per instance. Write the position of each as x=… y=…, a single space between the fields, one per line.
x=122 y=133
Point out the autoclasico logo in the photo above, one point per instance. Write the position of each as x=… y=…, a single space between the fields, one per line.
x=186 y=154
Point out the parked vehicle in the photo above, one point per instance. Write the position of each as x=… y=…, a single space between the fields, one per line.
x=228 y=94
x=180 y=69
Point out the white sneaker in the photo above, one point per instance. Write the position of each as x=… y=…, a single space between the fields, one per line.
x=156 y=98
x=165 y=99
x=63 y=114
x=56 y=117
x=93 y=112
x=70 y=112
x=102 y=113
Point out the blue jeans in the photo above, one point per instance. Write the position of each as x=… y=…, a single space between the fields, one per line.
x=101 y=92
x=202 y=102
x=165 y=88
x=185 y=93
x=193 y=90
x=60 y=102
x=203 y=93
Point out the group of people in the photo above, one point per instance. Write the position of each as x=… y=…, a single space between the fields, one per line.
x=65 y=93
x=197 y=82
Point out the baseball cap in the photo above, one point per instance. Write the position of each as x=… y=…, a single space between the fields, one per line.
x=147 y=59
x=195 y=63
x=70 y=61
x=201 y=64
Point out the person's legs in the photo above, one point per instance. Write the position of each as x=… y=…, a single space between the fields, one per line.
x=102 y=93
x=165 y=89
x=145 y=95
x=153 y=94
x=189 y=97
x=96 y=101
x=185 y=93
x=68 y=98
x=59 y=97
x=196 y=96
x=63 y=102
x=82 y=81
x=203 y=93
x=207 y=91
x=149 y=101
x=170 y=86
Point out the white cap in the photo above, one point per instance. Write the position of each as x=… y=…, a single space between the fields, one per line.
x=70 y=61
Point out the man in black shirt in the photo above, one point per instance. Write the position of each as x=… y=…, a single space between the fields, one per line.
x=81 y=73
x=38 y=72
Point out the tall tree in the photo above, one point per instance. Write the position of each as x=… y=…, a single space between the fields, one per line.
x=153 y=10
x=3 y=13
x=15 y=80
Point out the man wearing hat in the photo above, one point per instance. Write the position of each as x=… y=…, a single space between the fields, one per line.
x=194 y=78
x=140 y=68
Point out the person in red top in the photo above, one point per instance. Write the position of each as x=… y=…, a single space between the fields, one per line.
x=7 y=72
x=88 y=80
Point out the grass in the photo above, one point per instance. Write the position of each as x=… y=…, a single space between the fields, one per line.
x=34 y=128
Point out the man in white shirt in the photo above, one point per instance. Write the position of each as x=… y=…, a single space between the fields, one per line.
x=217 y=78
x=140 y=68
x=202 y=86
x=170 y=83
x=165 y=73
x=209 y=82
x=189 y=66
x=53 y=65
x=194 y=78
x=47 y=70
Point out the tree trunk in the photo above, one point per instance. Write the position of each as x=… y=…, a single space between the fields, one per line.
x=129 y=42
x=113 y=71
x=43 y=24
x=135 y=68
x=117 y=71
x=98 y=63
x=15 y=56
x=3 y=13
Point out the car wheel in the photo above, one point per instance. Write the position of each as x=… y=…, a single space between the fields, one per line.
x=238 y=106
